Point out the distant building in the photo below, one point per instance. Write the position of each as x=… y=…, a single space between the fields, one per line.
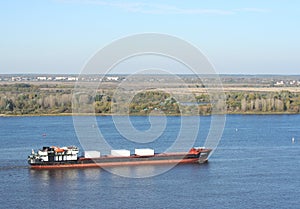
x=72 y=79
x=44 y=78
x=16 y=78
x=60 y=78
x=114 y=78
x=279 y=83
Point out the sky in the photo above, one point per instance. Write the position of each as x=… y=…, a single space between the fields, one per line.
x=237 y=36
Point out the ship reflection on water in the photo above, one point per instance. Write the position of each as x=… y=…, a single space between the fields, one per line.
x=50 y=174
x=140 y=171
x=102 y=174
x=96 y=173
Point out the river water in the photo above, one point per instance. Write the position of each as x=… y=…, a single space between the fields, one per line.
x=256 y=165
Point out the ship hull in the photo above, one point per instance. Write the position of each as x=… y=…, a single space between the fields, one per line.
x=109 y=161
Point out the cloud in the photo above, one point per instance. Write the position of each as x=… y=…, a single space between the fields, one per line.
x=151 y=8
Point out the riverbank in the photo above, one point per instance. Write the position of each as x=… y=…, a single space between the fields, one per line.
x=71 y=114
x=53 y=99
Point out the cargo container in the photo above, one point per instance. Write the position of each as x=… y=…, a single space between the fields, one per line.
x=144 y=152
x=120 y=152
x=91 y=154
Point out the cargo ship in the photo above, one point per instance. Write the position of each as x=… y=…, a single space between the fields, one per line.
x=67 y=157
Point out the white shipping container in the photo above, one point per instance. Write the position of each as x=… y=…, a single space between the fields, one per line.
x=144 y=152
x=120 y=152
x=91 y=154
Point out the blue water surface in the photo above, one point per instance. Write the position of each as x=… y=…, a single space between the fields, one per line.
x=256 y=165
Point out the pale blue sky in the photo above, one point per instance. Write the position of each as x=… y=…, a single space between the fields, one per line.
x=59 y=36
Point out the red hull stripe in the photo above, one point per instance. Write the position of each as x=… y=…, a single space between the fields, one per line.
x=108 y=164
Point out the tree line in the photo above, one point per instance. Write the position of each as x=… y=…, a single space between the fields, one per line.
x=24 y=99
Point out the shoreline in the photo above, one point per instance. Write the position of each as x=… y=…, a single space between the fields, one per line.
x=71 y=114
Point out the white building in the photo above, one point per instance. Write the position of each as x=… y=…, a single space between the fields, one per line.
x=60 y=78
x=110 y=78
x=279 y=83
x=72 y=79
x=41 y=78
